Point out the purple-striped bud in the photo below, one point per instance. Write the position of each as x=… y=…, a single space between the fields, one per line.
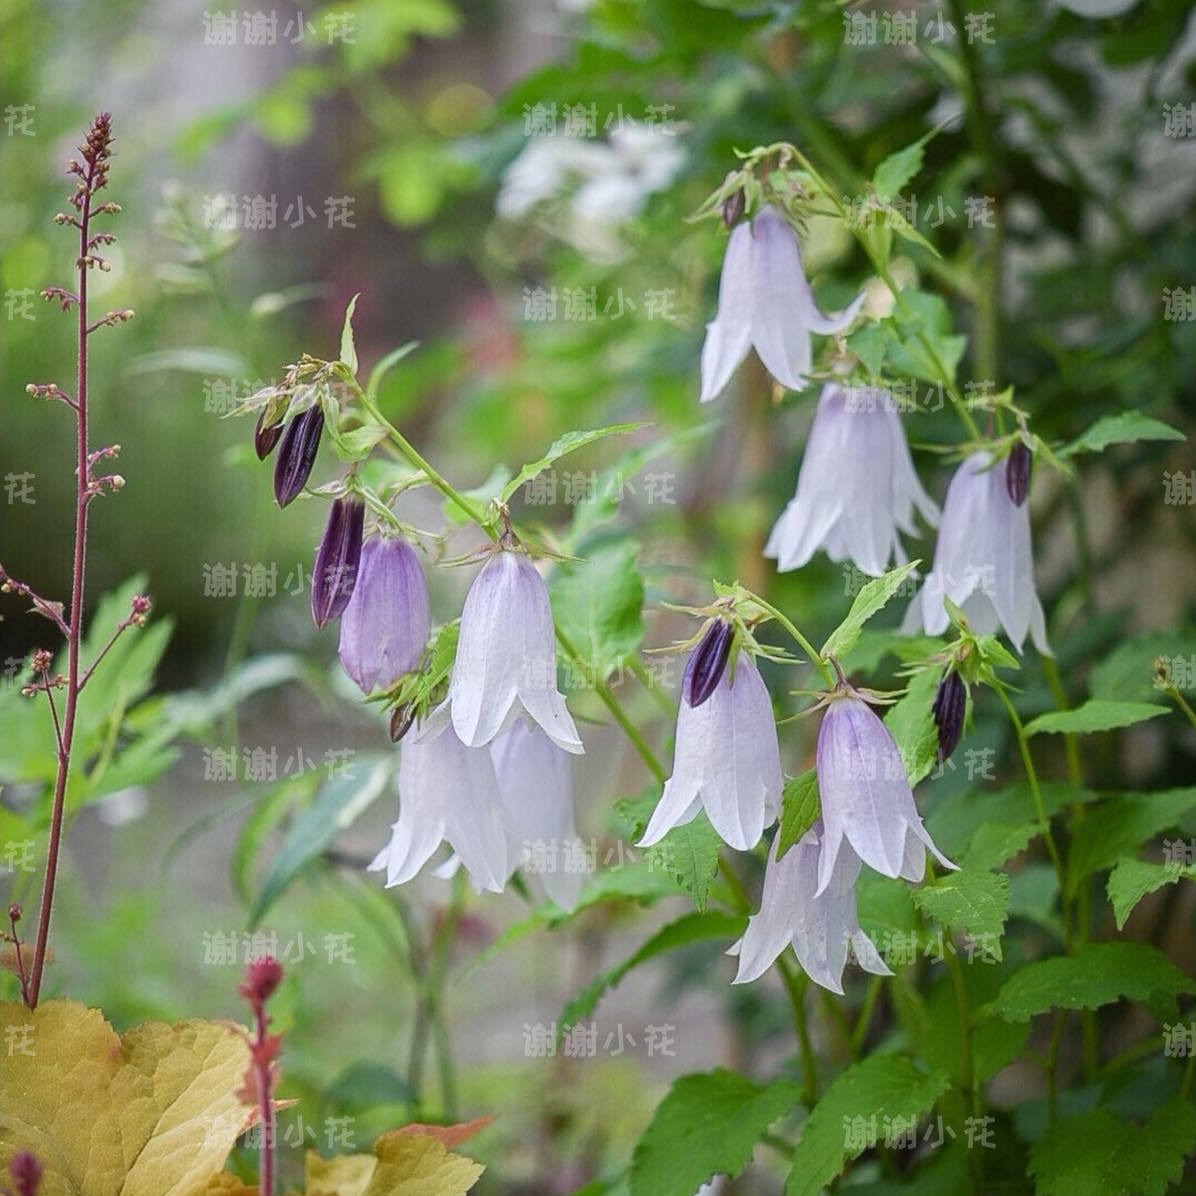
x=707 y=663
x=733 y=207
x=384 y=629
x=297 y=454
x=1017 y=473
x=949 y=708
x=401 y=719
x=335 y=574
x=266 y=436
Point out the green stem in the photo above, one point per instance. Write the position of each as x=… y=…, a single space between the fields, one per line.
x=796 y=985
x=860 y=1033
x=967 y=1061
x=1044 y=824
x=823 y=666
x=1189 y=1075
x=1173 y=693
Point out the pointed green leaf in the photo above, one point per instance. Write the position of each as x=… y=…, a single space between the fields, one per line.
x=348 y=348
x=801 y=807
x=1095 y=715
x=1131 y=880
x=569 y=443
x=973 y=902
x=873 y=596
x=1125 y=427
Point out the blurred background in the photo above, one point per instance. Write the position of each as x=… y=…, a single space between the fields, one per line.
x=509 y=184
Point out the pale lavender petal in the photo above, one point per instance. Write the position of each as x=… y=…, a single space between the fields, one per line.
x=384 y=629
x=729 y=334
x=865 y=798
x=788 y=887
x=535 y=784
x=782 y=303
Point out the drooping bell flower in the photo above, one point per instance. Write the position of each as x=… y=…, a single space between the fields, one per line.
x=384 y=628
x=949 y=710
x=266 y=436
x=866 y=797
x=506 y=656
x=983 y=561
x=334 y=576
x=856 y=489
x=726 y=761
x=447 y=792
x=820 y=925
x=765 y=303
x=297 y=454
x=535 y=785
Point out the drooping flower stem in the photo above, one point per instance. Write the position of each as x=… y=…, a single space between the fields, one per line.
x=882 y=272
x=1044 y=824
x=796 y=985
x=967 y=1061
x=824 y=668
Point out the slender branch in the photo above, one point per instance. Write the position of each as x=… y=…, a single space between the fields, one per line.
x=795 y=987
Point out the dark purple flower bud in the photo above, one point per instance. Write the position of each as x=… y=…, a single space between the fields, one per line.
x=733 y=207
x=266 y=436
x=950 y=706
x=384 y=630
x=706 y=663
x=339 y=554
x=297 y=454
x=1017 y=473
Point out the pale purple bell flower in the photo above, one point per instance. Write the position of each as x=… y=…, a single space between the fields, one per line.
x=856 y=490
x=447 y=793
x=727 y=760
x=867 y=801
x=765 y=303
x=818 y=922
x=506 y=656
x=535 y=785
x=384 y=629
x=983 y=561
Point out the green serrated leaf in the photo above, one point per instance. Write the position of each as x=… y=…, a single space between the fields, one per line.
x=885 y=1085
x=1131 y=880
x=691 y=928
x=1126 y=427
x=598 y=605
x=569 y=443
x=870 y=343
x=973 y=902
x=873 y=596
x=1097 y=714
x=689 y=853
x=911 y=723
x=707 y=1125
x=1100 y=1152
x=1097 y=974
x=994 y=843
x=801 y=807
x=898 y=168
x=1119 y=827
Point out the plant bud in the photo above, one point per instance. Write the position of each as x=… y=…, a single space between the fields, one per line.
x=266 y=436
x=337 y=559
x=733 y=208
x=401 y=718
x=262 y=978
x=950 y=706
x=297 y=454
x=707 y=662
x=1017 y=473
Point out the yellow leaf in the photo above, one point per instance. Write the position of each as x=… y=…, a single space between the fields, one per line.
x=151 y=1114
x=344 y=1175
x=416 y=1165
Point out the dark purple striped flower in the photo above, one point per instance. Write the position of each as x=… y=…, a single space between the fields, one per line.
x=266 y=436
x=297 y=454
x=1017 y=473
x=335 y=574
x=950 y=706
x=706 y=663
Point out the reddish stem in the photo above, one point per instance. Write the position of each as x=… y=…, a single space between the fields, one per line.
x=265 y=1086
x=75 y=626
